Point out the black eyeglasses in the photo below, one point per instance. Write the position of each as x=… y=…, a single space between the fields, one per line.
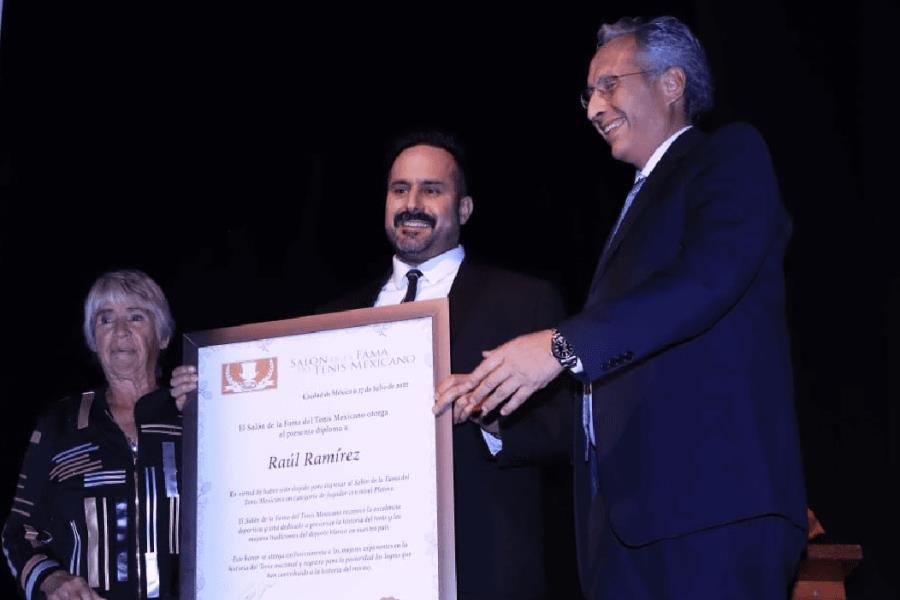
x=606 y=85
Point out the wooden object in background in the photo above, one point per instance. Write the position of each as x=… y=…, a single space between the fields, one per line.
x=823 y=570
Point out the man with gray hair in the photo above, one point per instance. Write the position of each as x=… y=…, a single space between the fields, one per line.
x=689 y=481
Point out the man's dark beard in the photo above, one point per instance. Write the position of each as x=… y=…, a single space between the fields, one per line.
x=402 y=217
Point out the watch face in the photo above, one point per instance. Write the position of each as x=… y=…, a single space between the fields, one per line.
x=560 y=348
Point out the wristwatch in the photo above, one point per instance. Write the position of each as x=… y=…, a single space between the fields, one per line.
x=562 y=350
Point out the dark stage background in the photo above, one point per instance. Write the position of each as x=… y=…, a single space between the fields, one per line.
x=234 y=152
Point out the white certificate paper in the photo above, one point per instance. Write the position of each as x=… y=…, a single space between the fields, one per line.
x=316 y=466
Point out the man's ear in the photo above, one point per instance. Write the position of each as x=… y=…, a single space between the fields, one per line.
x=673 y=81
x=466 y=206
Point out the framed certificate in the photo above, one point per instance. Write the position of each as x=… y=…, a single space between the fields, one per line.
x=313 y=466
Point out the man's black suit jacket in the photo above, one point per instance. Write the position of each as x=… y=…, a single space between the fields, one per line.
x=501 y=549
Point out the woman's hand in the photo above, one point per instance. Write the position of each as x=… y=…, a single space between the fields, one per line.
x=184 y=380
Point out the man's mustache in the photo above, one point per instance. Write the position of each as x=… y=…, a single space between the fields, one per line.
x=402 y=217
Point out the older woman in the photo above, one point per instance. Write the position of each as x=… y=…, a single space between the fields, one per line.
x=96 y=508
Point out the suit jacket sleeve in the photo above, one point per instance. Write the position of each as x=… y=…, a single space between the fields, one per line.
x=732 y=216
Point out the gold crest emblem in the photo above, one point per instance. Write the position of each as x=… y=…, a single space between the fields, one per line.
x=250 y=376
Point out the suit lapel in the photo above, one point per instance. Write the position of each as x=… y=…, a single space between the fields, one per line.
x=375 y=290
x=463 y=297
x=367 y=296
x=648 y=193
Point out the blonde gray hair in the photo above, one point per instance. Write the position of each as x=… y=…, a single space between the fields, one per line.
x=666 y=42
x=131 y=286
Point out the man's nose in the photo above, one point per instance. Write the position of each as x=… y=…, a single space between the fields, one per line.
x=414 y=199
x=597 y=105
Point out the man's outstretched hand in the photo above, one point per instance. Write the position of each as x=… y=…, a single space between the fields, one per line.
x=508 y=375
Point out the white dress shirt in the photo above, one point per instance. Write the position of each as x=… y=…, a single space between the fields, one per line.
x=437 y=278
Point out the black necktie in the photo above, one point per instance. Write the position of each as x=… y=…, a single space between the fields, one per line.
x=413 y=276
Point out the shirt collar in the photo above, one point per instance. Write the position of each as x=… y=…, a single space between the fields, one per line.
x=433 y=269
x=658 y=154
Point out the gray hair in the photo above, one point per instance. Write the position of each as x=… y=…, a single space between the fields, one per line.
x=128 y=286
x=666 y=42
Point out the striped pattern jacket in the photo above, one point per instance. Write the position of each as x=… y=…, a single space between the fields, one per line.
x=89 y=503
